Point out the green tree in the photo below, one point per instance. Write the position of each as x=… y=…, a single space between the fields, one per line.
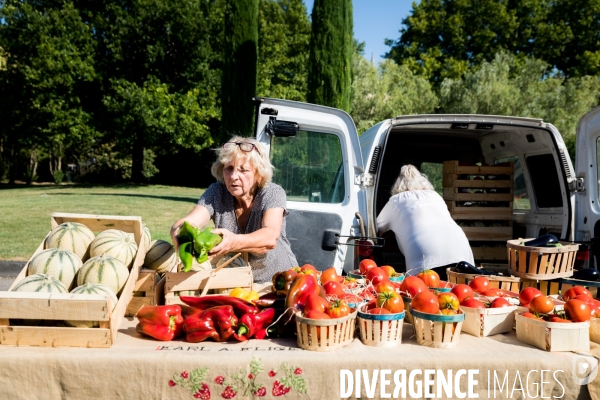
x=49 y=67
x=239 y=66
x=387 y=91
x=511 y=86
x=443 y=38
x=283 y=43
x=331 y=49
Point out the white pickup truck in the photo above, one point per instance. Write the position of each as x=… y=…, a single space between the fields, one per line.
x=330 y=173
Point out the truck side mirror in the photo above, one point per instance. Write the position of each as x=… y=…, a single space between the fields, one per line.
x=281 y=128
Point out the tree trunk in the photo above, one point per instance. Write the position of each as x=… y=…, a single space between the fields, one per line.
x=330 y=57
x=239 y=67
x=12 y=173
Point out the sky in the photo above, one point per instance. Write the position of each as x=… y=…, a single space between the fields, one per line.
x=375 y=21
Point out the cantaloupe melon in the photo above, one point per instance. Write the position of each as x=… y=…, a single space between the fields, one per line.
x=40 y=283
x=61 y=264
x=105 y=270
x=92 y=288
x=146 y=238
x=114 y=243
x=160 y=257
x=71 y=236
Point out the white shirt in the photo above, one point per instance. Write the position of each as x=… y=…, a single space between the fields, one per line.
x=426 y=233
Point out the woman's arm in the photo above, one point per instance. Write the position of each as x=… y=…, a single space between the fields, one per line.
x=199 y=216
x=258 y=242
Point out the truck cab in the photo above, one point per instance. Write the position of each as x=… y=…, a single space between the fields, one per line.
x=337 y=182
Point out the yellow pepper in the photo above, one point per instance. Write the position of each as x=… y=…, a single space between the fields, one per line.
x=244 y=294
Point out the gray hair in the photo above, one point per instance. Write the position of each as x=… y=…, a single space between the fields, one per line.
x=410 y=178
x=258 y=159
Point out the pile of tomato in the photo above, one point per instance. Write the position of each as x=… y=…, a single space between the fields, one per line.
x=580 y=305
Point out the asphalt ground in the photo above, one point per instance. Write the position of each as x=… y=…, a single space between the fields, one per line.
x=8 y=272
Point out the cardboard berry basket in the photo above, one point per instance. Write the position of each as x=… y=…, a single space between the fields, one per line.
x=196 y=283
x=325 y=334
x=438 y=331
x=489 y=321
x=50 y=309
x=380 y=330
x=543 y=263
x=553 y=336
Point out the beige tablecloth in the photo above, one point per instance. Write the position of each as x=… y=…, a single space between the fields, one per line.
x=141 y=368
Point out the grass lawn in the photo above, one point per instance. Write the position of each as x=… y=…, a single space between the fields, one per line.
x=26 y=210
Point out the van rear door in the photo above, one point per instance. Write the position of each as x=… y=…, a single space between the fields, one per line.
x=316 y=155
x=587 y=195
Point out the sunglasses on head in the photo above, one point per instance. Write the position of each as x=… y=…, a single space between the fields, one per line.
x=244 y=146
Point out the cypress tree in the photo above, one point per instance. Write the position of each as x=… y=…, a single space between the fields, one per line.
x=239 y=66
x=330 y=59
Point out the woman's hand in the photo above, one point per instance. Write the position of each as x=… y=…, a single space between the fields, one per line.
x=199 y=216
x=227 y=245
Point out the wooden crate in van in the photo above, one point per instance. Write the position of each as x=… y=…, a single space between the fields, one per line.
x=53 y=308
x=480 y=200
x=149 y=290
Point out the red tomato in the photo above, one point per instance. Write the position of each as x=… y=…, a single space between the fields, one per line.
x=314 y=314
x=389 y=270
x=530 y=315
x=426 y=302
x=527 y=294
x=306 y=267
x=576 y=291
x=448 y=301
x=378 y=310
x=316 y=303
x=472 y=303
x=493 y=292
x=330 y=275
x=463 y=292
x=338 y=309
x=500 y=302
x=391 y=301
x=365 y=265
x=333 y=287
x=541 y=305
x=413 y=285
x=480 y=284
x=556 y=318
x=385 y=286
x=430 y=277
x=367 y=294
x=376 y=275
x=577 y=310
x=594 y=309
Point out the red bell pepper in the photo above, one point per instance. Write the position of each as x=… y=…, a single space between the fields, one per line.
x=302 y=287
x=240 y=307
x=160 y=322
x=249 y=324
x=216 y=323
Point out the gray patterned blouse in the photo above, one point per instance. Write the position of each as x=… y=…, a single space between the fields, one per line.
x=220 y=205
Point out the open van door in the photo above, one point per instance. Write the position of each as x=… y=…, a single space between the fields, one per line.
x=316 y=155
x=587 y=184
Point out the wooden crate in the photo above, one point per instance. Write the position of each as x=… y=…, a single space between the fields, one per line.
x=489 y=253
x=50 y=308
x=149 y=290
x=553 y=336
x=543 y=263
x=560 y=285
x=225 y=278
x=487 y=206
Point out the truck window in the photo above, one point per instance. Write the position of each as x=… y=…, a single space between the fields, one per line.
x=521 y=199
x=435 y=174
x=544 y=178
x=309 y=167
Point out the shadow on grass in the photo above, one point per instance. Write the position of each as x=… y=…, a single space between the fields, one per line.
x=148 y=196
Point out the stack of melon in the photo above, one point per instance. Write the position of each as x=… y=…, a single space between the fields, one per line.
x=160 y=257
x=76 y=257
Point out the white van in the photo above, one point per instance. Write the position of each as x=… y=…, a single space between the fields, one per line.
x=337 y=182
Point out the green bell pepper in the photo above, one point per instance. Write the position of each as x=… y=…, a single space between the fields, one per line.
x=195 y=243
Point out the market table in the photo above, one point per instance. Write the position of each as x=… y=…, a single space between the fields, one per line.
x=140 y=368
